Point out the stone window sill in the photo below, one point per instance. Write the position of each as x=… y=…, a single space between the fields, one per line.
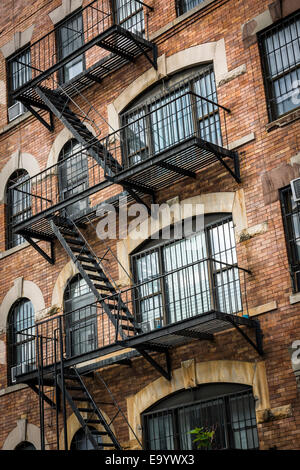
x=13 y=250
x=284 y=120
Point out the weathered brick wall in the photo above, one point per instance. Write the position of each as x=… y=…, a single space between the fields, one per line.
x=264 y=254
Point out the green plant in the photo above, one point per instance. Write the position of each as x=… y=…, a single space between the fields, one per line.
x=203 y=437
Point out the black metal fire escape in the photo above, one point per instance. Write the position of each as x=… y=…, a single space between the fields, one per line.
x=125 y=47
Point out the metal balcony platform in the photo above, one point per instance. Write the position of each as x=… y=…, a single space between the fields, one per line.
x=201 y=327
x=124 y=47
x=176 y=162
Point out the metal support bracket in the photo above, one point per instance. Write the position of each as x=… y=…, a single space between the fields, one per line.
x=166 y=373
x=258 y=334
x=51 y=258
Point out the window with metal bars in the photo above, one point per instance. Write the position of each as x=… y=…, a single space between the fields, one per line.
x=21 y=338
x=80 y=317
x=81 y=442
x=226 y=409
x=182 y=6
x=130 y=15
x=178 y=279
x=169 y=114
x=73 y=175
x=18 y=207
x=19 y=71
x=69 y=37
x=280 y=55
x=291 y=222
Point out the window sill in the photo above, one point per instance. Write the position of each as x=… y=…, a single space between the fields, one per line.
x=284 y=120
x=295 y=298
x=12 y=389
x=180 y=18
x=15 y=122
x=13 y=250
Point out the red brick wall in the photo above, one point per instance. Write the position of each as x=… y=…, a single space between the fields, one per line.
x=265 y=254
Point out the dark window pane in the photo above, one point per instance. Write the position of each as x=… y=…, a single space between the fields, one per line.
x=186 y=5
x=18 y=205
x=280 y=49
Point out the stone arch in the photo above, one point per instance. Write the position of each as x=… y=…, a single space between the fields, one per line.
x=68 y=271
x=73 y=426
x=17 y=161
x=21 y=288
x=196 y=55
x=60 y=140
x=239 y=372
x=23 y=432
x=209 y=203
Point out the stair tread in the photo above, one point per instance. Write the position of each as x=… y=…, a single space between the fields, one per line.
x=74 y=241
x=88 y=410
x=87 y=260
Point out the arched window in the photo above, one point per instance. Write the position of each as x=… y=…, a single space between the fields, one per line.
x=226 y=409
x=80 y=317
x=181 y=278
x=21 y=338
x=73 y=175
x=18 y=205
x=171 y=113
x=25 y=445
x=81 y=442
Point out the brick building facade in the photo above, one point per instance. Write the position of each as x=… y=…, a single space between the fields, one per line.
x=233 y=68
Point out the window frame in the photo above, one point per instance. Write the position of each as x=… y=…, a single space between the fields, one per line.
x=13 y=240
x=59 y=48
x=180 y=8
x=289 y=234
x=13 y=342
x=160 y=92
x=152 y=246
x=181 y=397
x=72 y=325
x=270 y=97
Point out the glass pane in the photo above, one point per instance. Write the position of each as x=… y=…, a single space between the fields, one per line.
x=187 y=290
x=21 y=74
x=71 y=38
x=243 y=422
x=171 y=120
x=160 y=432
x=23 y=331
x=131 y=16
x=136 y=138
x=187 y=5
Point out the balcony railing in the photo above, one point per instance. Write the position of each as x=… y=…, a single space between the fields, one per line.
x=171 y=300
x=103 y=23
x=176 y=138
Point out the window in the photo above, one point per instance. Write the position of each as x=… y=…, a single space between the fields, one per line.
x=177 y=279
x=21 y=338
x=291 y=221
x=280 y=53
x=170 y=114
x=73 y=175
x=19 y=72
x=25 y=445
x=81 y=442
x=81 y=319
x=182 y=6
x=130 y=15
x=228 y=409
x=70 y=37
x=18 y=205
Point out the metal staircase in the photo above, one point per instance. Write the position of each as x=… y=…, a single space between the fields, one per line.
x=75 y=391
x=90 y=268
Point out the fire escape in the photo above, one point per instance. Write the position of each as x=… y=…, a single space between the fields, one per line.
x=53 y=374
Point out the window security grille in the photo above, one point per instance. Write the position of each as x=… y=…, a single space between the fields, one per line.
x=172 y=120
x=182 y=6
x=194 y=284
x=291 y=221
x=230 y=415
x=280 y=54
